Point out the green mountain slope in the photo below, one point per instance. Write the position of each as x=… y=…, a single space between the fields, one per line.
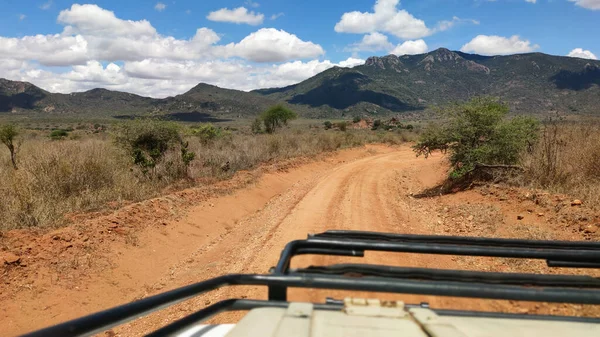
x=531 y=83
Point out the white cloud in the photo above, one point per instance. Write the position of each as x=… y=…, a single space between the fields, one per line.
x=103 y=50
x=498 y=45
x=410 y=48
x=22 y=17
x=93 y=20
x=385 y=18
x=351 y=62
x=447 y=24
x=371 y=42
x=531 y=1
x=53 y=50
x=589 y=4
x=238 y=15
x=276 y=16
x=46 y=5
x=272 y=45
x=160 y=6
x=584 y=54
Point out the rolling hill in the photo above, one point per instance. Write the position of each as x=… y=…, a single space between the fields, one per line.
x=533 y=83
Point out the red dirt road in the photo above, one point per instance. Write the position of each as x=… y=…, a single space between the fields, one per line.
x=244 y=232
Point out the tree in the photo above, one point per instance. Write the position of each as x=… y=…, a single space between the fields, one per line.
x=276 y=117
x=8 y=135
x=478 y=132
x=328 y=125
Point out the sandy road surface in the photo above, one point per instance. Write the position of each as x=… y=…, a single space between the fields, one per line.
x=361 y=189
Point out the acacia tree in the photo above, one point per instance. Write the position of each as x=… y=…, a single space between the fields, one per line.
x=478 y=131
x=8 y=135
x=276 y=117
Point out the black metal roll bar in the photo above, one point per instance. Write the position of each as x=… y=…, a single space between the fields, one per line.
x=503 y=286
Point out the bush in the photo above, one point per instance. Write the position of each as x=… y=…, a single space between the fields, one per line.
x=148 y=141
x=277 y=117
x=342 y=126
x=59 y=134
x=478 y=132
x=376 y=124
x=256 y=126
x=207 y=133
x=328 y=125
x=356 y=119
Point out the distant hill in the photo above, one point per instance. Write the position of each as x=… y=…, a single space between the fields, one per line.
x=410 y=85
x=23 y=97
x=531 y=83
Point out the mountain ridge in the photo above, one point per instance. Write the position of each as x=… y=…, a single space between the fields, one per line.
x=390 y=84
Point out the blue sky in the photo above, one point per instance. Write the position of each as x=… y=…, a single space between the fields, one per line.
x=156 y=48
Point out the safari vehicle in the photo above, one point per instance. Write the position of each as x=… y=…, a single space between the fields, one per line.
x=371 y=317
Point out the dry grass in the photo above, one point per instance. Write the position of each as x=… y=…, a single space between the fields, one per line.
x=567 y=160
x=89 y=173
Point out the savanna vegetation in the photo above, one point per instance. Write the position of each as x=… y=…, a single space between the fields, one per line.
x=95 y=165
x=551 y=154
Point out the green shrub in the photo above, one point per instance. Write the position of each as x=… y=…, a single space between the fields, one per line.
x=478 y=132
x=148 y=141
x=342 y=126
x=207 y=132
x=59 y=134
x=256 y=126
x=328 y=125
x=356 y=119
x=376 y=124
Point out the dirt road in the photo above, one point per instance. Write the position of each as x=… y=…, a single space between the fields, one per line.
x=360 y=189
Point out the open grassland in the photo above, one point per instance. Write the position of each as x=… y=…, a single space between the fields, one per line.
x=566 y=159
x=88 y=171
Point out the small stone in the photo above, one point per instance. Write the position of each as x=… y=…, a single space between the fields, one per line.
x=10 y=258
x=520 y=217
x=470 y=218
x=540 y=214
x=207 y=302
x=576 y=202
x=588 y=229
x=523 y=310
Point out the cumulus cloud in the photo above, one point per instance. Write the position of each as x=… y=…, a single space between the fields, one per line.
x=410 y=48
x=584 y=54
x=93 y=20
x=102 y=50
x=160 y=6
x=589 y=4
x=498 y=45
x=237 y=15
x=386 y=18
x=272 y=45
x=371 y=42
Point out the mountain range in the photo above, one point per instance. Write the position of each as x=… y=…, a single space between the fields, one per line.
x=411 y=85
